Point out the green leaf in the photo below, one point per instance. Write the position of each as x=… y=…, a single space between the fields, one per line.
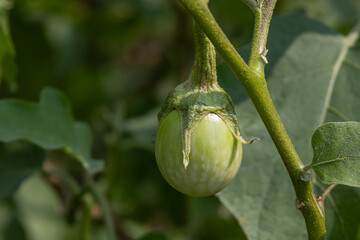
x=38 y=208
x=337 y=153
x=311 y=69
x=338 y=14
x=16 y=164
x=154 y=236
x=142 y=129
x=11 y=226
x=49 y=125
x=7 y=51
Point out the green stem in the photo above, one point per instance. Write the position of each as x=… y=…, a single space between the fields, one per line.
x=328 y=190
x=306 y=202
x=204 y=70
x=263 y=16
x=99 y=196
x=255 y=84
x=66 y=178
x=86 y=219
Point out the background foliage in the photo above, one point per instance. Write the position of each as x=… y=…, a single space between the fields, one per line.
x=116 y=61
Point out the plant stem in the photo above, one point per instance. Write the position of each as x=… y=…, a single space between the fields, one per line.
x=99 y=196
x=306 y=202
x=86 y=220
x=328 y=190
x=66 y=178
x=204 y=70
x=256 y=86
x=263 y=16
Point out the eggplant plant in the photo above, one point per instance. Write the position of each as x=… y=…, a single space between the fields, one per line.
x=163 y=150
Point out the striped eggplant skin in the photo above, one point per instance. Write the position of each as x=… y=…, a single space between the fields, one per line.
x=215 y=155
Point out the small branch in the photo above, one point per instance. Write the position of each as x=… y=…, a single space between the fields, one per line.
x=263 y=16
x=80 y=197
x=328 y=190
x=86 y=220
x=65 y=178
x=307 y=167
x=77 y=193
x=99 y=196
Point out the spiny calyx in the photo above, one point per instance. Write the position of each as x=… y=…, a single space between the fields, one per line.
x=193 y=104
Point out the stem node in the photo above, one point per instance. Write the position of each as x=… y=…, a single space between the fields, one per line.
x=305 y=175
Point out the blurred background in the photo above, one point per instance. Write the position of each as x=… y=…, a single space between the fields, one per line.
x=117 y=60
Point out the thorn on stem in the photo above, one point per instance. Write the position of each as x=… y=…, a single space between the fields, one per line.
x=263 y=56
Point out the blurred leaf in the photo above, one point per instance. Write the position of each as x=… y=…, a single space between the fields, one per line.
x=342 y=213
x=48 y=124
x=7 y=51
x=210 y=220
x=307 y=61
x=235 y=18
x=38 y=209
x=15 y=230
x=332 y=12
x=10 y=225
x=154 y=236
x=337 y=153
x=16 y=165
x=143 y=129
